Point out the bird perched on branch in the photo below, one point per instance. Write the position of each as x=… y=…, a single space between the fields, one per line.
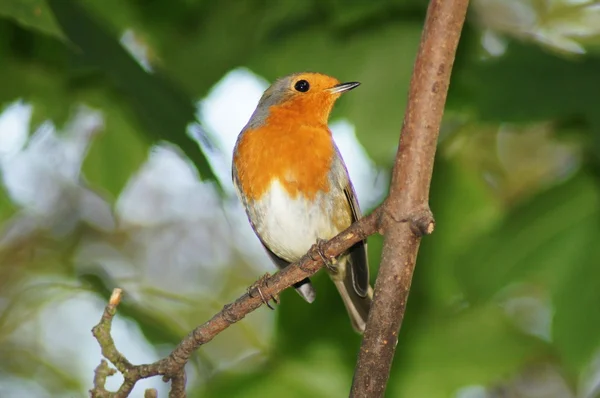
x=294 y=185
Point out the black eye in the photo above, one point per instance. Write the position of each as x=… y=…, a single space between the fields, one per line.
x=302 y=86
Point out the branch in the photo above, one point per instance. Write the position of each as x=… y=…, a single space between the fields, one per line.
x=100 y=374
x=409 y=194
x=172 y=366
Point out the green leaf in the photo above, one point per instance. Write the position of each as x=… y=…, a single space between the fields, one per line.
x=163 y=109
x=33 y=14
x=543 y=238
x=320 y=372
x=525 y=84
x=447 y=352
x=550 y=241
x=34 y=69
x=464 y=209
x=576 y=324
x=119 y=150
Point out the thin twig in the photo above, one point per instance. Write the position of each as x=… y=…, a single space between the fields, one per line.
x=102 y=333
x=172 y=366
x=101 y=372
x=151 y=393
x=409 y=194
x=178 y=386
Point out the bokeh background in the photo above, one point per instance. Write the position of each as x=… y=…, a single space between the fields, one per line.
x=116 y=128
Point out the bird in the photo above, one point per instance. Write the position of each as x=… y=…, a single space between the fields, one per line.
x=294 y=185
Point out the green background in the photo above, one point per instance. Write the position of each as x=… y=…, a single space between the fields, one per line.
x=506 y=291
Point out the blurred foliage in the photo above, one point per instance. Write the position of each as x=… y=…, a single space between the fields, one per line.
x=34 y=14
x=508 y=282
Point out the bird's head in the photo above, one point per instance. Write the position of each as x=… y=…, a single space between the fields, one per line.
x=310 y=95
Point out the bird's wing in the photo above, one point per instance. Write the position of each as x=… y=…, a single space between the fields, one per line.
x=304 y=287
x=359 y=264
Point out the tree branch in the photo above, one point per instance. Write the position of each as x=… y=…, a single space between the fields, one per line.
x=101 y=372
x=172 y=366
x=409 y=194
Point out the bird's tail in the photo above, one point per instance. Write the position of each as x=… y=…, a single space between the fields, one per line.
x=306 y=290
x=358 y=307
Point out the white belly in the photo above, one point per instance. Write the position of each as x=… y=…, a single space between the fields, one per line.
x=289 y=227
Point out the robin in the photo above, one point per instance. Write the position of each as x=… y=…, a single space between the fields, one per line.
x=294 y=185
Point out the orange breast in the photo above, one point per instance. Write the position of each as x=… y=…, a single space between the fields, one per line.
x=299 y=156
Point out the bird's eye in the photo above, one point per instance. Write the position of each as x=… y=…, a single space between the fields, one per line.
x=302 y=86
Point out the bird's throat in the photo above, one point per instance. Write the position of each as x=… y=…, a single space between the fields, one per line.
x=298 y=155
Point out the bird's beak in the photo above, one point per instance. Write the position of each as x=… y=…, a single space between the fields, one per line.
x=343 y=87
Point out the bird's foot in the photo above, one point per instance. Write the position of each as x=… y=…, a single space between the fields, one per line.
x=262 y=282
x=330 y=262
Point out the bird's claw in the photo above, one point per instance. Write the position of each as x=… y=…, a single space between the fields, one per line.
x=256 y=286
x=329 y=262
